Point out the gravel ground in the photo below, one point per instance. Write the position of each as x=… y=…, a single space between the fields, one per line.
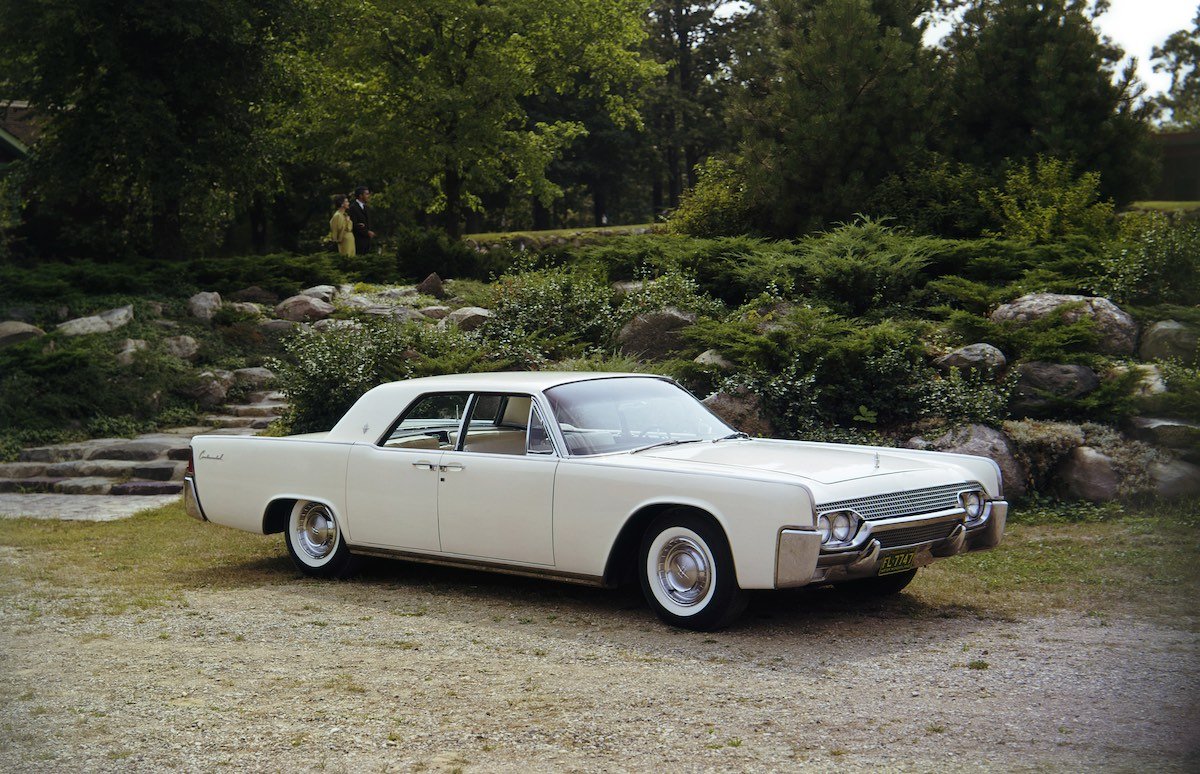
x=79 y=507
x=417 y=668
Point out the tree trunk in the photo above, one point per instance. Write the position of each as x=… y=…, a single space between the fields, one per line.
x=166 y=228
x=451 y=220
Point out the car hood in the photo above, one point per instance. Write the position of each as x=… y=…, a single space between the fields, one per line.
x=824 y=464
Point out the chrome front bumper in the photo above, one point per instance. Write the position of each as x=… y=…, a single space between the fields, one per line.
x=191 y=501
x=800 y=561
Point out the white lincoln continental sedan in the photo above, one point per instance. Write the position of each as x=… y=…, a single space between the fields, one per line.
x=596 y=478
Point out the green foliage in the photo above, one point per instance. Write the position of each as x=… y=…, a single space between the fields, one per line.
x=935 y=196
x=1045 y=201
x=421 y=252
x=716 y=206
x=1155 y=259
x=1051 y=338
x=671 y=289
x=1179 y=56
x=564 y=310
x=969 y=397
x=1041 y=446
x=1182 y=398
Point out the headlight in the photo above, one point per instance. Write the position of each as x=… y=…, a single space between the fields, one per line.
x=973 y=503
x=842 y=525
x=824 y=527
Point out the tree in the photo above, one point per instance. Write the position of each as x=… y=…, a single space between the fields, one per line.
x=1034 y=77
x=152 y=112
x=437 y=92
x=843 y=98
x=1180 y=56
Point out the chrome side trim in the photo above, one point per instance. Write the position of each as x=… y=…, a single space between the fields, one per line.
x=191 y=500
x=796 y=557
x=479 y=564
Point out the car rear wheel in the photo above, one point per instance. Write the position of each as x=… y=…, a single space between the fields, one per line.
x=314 y=541
x=686 y=572
x=879 y=586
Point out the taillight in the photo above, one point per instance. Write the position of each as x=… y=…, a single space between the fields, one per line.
x=191 y=466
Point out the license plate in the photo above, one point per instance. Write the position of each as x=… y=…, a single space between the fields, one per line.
x=897 y=562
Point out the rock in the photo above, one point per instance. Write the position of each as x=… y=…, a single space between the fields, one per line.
x=1150 y=378
x=257 y=377
x=1089 y=475
x=212 y=387
x=14 y=332
x=82 y=326
x=1040 y=383
x=743 y=410
x=655 y=334
x=711 y=357
x=400 y=313
x=356 y=301
x=468 y=318
x=246 y=308
x=303 y=309
x=1175 y=479
x=155 y=308
x=770 y=318
x=204 y=305
x=1171 y=433
x=331 y=324
x=323 y=292
x=974 y=357
x=256 y=295
x=1168 y=339
x=394 y=293
x=628 y=287
x=83 y=486
x=435 y=312
x=277 y=328
x=1118 y=331
x=985 y=441
x=138 y=450
x=182 y=347
x=128 y=348
x=117 y=318
x=432 y=286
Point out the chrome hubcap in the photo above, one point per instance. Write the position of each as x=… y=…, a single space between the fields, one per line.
x=683 y=571
x=315 y=531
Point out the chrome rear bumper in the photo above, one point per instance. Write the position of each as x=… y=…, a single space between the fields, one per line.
x=191 y=501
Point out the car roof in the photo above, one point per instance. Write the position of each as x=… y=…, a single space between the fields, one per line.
x=504 y=381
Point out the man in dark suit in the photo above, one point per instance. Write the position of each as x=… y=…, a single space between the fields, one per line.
x=360 y=216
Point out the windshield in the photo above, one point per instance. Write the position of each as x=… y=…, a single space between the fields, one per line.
x=610 y=415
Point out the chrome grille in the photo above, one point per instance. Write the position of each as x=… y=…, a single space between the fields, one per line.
x=909 y=536
x=896 y=504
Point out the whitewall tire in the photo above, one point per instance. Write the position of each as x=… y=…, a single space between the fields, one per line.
x=314 y=540
x=686 y=572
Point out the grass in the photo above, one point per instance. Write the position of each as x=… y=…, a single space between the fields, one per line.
x=497 y=236
x=1097 y=561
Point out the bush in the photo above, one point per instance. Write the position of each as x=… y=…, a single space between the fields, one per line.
x=672 y=289
x=716 y=206
x=1182 y=398
x=969 y=397
x=565 y=310
x=936 y=197
x=421 y=252
x=1155 y=259
x=1045 y=201
x=1041 y=446
x=1050 y=338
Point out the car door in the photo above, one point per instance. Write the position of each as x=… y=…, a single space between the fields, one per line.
x=392 y=485
x=496 y=493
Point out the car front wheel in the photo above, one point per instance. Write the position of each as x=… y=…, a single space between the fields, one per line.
x=687 y=574
x=314 y=541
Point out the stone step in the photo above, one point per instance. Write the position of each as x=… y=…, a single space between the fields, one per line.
x=92 y=468
x=218 y=420
x=140 y=449
x=29 y=484
x=67 y=451
x=257 y=409
x=84 y=485
x=265 y=396
x=21 y=469
x=147 y=488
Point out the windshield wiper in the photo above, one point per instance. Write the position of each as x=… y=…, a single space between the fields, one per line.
x=732 y=436
x=673 y=442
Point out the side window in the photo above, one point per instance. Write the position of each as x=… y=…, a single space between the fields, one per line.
x=498 y=424
x=539 y=440
x=430 y=423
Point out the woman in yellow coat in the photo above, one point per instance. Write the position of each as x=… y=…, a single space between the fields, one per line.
x=341 y=230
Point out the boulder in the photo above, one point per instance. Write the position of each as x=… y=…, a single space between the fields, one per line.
x=435 y=312
x=128 y=348
x=82 y=326
x=1168 y=339
x=1118 y=331
x=278 y=328
x=1089 y=475
x=117 y=318
x=983 y=441
x=211 y=387
x=257 y=377
x=402 y=292
x=247 y=308
x=399 y=313
x=204 y=305
x=182 y=347
x=155 y=308
x=1041 y=382
x=255 y=294
x=628 y=287
x=330 y=324
x=303 y=309
x=1150 y=378
x=1171 y=433
x=974 y=357
x=432 y=286
x=323 y=292
x=1175 y=479
x=468 y=318
x=741 y=409
x=655 y=334
x=711 y=357
x=14 y=332
x=355 y=301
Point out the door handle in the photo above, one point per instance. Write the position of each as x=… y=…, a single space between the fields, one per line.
x=424 y=464
x=451 y=466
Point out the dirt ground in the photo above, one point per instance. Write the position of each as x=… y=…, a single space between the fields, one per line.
x=416 y=668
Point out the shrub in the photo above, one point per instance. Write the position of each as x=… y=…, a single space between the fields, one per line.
x=716 y=205
x=1045 y=202
x=1132 y=459
x=420 y=252
x=1042 y=445
x=935 y=196
x=1050 y=338
x=1155 y=259
x=565 y=310
x=969 y=397
x=672 y=289
x=1182 y=398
